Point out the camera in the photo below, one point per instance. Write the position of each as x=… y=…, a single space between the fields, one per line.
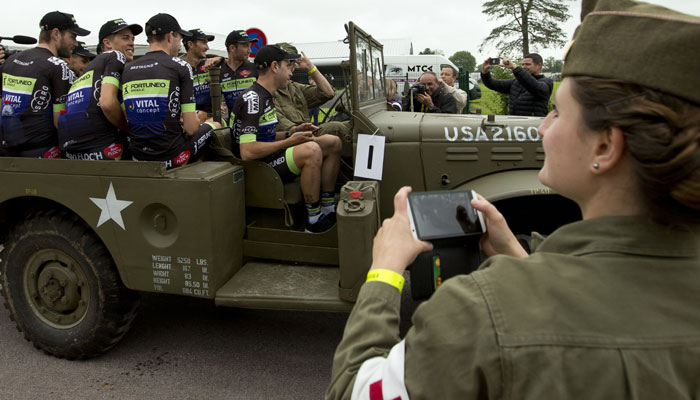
x=495 y=61
x=448 y=220
x=9 y=53
x=418 y=88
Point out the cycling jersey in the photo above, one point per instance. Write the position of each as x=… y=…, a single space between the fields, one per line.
x=235 y=82
x=112 y=151
x=156 y=89
x=34 y=86
x=84 y=126
x=256 y=117
x=256 y=121
x=202 y=92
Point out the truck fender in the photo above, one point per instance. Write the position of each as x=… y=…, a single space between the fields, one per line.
x=508 y=184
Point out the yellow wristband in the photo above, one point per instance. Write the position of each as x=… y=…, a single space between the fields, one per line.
x=387 y=276
x=312 y=70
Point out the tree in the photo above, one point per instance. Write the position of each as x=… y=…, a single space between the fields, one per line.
x=553 y=65
x=434 y=51
x=529 y=23
x=464 y=60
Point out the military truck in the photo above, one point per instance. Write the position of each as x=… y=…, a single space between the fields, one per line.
x=83 y=238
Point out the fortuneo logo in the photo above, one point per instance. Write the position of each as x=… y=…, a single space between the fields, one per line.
x=147 y=85
x=154 y=87
x=23 y=82
x=18 y=83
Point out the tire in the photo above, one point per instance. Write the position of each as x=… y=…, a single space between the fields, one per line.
x=62 y=287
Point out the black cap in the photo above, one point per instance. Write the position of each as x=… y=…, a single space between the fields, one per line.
x=81 y=50
x=271 y=53
x=164 y=23
x=238 y=37
x=197 y=34
x=117 y=25
x=62 y=21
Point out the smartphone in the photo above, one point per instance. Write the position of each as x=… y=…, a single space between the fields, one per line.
x=444 y=215
x=495 y=61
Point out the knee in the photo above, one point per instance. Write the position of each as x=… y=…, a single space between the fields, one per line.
x=336 y=145
x=331 y=144
x=311 y=154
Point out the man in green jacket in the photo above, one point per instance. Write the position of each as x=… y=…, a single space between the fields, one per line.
x=294 y=102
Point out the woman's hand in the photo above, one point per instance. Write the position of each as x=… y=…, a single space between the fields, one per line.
x=498 y=238
x=394 y=246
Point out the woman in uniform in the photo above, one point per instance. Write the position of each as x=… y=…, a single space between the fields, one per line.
x=606 y=307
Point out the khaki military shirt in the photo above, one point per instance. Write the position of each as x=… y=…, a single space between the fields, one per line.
x=294 y=102
x=603 y=309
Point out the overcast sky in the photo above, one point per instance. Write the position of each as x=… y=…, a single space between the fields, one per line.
x=448 y=25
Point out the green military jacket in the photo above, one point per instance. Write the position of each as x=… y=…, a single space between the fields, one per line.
x=603 y=309
x=294 y=102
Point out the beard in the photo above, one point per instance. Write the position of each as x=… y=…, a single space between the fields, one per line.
x=64 y=50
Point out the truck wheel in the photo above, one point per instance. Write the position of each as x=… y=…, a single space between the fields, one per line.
x=62 y=287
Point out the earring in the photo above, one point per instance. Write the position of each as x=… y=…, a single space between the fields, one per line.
x=596 y=166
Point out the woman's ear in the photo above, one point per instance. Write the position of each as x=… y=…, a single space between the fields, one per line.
x=610 y=147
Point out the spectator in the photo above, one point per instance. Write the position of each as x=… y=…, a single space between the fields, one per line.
x=392 y=97
x=529 y=91
x=604 y=308
x=435 y=98
x=449 y=76
x=294 y=101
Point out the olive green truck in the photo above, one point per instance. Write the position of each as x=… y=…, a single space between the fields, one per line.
x=83 y=238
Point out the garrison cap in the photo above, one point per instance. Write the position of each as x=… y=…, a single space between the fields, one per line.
x=637 y=43
x=288 y=47
x=62 y=21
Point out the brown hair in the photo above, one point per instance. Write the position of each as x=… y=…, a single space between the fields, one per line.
x=156 y=38
x=45 y=36
x=662 y=133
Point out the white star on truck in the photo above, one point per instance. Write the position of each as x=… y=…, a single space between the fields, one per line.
x=111 y=208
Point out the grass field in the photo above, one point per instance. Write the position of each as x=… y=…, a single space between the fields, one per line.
x=488 y=101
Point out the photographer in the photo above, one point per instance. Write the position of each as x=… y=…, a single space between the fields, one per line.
x=604 y=308
x=428 y=96
x=529 y=91
x=448 y=74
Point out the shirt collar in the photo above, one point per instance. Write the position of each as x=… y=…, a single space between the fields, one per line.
x=630 y=235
